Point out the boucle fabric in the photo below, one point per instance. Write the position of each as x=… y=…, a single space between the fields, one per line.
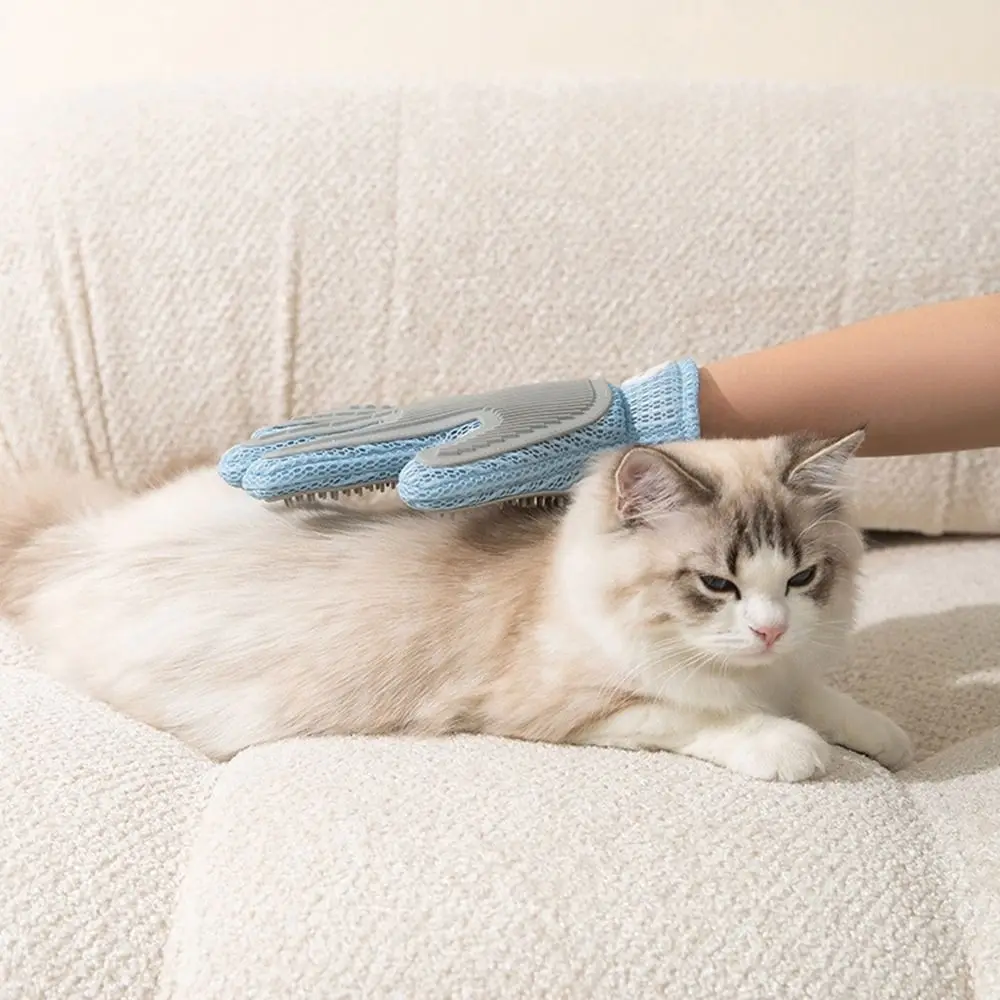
x=356 y=868
x=181 y=267
x=176 y=269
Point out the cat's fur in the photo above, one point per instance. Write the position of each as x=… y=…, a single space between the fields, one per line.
x=232 y=623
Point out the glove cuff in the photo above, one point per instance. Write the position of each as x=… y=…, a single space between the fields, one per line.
x=663 y=404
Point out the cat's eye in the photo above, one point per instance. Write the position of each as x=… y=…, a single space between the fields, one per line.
x=803 y=578
x=718 y=584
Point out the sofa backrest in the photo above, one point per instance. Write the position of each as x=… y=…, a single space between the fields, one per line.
x=178 y=267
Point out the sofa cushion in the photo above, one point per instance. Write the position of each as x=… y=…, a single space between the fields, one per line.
x=383 y=868
x=96 y=817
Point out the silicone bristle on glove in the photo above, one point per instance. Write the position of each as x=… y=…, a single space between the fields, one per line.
x=467 y=451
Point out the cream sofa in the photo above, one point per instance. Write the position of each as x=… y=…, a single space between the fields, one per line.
x=177 y=267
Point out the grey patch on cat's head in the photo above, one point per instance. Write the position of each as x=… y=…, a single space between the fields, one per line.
x=698 y=604
x=758 y=521
x=822 y=589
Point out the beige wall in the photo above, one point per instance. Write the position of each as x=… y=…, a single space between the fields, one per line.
x=53 y=44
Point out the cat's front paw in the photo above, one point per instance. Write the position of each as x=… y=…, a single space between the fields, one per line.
x=766 y=747
x=781 y=750
x=877 y=736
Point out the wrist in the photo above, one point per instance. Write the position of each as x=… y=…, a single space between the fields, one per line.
x=663 y=403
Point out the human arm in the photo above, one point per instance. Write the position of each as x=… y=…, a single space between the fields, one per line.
x=923 y=380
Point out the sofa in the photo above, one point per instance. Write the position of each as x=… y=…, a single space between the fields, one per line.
x=181 y=265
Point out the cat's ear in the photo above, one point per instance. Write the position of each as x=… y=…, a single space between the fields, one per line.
x=651 y=483
x=816 y=466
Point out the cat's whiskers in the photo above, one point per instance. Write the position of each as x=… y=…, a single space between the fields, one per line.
x=618 y=683
x=689 y=667
x=695 y=658
x=647 y=661
x=625 y=680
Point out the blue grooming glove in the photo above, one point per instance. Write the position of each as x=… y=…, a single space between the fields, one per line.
x=467 y=451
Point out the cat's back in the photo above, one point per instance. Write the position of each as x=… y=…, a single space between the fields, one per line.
x=375 y=542
x=198 y=545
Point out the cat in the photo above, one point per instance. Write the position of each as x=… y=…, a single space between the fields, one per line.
x=686 y=600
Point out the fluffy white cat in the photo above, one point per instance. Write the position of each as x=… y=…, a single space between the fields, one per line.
x=686 y=600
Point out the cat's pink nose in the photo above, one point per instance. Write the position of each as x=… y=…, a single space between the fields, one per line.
x=769 y=633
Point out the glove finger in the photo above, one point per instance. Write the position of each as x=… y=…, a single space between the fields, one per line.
x=280 y=474
x=548 y=468
x=314 y=433
x=348 y=418
x=235 y=462
x=436 y=480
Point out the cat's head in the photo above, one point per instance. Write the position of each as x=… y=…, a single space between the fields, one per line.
x=735 y=551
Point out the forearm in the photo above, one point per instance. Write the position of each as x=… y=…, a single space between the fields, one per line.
x=924 y=380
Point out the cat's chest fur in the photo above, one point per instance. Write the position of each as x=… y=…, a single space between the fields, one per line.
x=719 y=691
